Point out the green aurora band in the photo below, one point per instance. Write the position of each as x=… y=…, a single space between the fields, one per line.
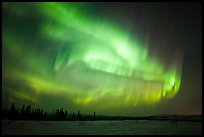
x=90 y=61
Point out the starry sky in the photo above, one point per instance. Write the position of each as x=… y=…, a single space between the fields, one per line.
x=126 y=59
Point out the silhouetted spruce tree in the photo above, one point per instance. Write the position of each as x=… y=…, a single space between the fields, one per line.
x=57 y=114
x=61 y=114
x=65 y=116
x=13 y=112
x=45 y=116
x=78 y=116
x=38 y=114
x=41 y=114
x=94 y=118
x=22 y=113
x=27 y=112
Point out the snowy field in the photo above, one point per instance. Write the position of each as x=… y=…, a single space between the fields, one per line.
x=125 y=127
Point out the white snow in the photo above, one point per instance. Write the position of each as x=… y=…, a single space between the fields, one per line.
x=125 y=127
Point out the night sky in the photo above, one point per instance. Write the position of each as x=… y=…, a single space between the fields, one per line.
x=130 y=59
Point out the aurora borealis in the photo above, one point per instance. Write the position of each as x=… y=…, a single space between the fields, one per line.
x=66 y=55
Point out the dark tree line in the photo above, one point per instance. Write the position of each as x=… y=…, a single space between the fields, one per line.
x=25 y=113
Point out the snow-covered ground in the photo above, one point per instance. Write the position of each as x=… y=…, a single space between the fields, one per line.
x=125 y=127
